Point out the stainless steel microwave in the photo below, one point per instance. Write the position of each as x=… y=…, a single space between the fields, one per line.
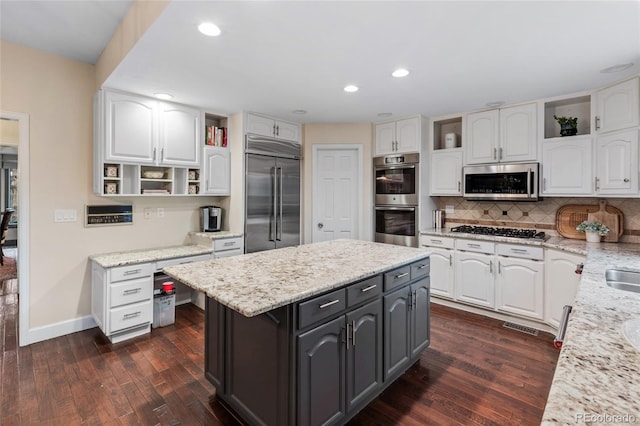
x=512 y=182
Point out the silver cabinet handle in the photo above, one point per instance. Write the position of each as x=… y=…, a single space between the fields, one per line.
x=371 y=287
x=436 y=241
x=278 y=130
x=347 y=335
x=491 y=266
x=459 y=186
x=162 y=155
x=279 y=228
x=597 y=181
x=353 y=333
x=597 y=123
x=272 y=230
x=423 y=266
x=495 y=153
x=326 y=305
x=154 y=154
x=131 y=315
x=132 y=291
x=499 y=268
x=274 y=129
x=517 y=250
x=132 y=271
x=473 y=245
x=529 y=172
x=229 y=243
x=450 y=260
x=500 y=153
x=544 y=183
x=401 y=275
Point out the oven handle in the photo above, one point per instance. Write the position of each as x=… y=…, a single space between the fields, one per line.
x=399 y=209
x=397 y=166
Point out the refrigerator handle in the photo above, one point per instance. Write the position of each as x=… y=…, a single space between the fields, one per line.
x=273 y=224
x=279 y=225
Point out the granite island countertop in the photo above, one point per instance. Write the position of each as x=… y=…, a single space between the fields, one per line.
x=598 y=370
x=255 y=283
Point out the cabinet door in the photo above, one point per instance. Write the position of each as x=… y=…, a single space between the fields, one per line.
x=364 y=354
x=420 y=316
x=520 y=286
x=214 y=330
x=260 y=125
x=518 y=134
x=446 y=172
x=321 y=374
x=397 y=340
x=441 y=272
x=482 y=137
x=179 y=135
x=288 y=131
x=561 y=283
x=617 y=106
x=474 y=280
x=216 y=171
x=567 y=167
x=408 y=135
x=130 y=126
x=617 y=163
x=385 y=138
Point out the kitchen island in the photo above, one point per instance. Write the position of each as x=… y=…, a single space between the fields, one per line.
x=311 y=334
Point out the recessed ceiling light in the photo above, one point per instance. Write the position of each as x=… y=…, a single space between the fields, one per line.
x=494 y=104
x=384 y=114
x=617 y=68
x=400 y=72
x=164 y=96
x=351 y=88
x=299 y=111
x=209 y=28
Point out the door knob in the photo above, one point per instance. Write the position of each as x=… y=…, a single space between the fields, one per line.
x=320 y=225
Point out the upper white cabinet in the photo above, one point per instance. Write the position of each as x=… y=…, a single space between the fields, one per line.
x=446 y=172
x=398 y=137
x=617 y=107
x=179 y=135
x=567 y=166
x=271 y=127
x=617 y=163
x=504 y=135
x=216 y=171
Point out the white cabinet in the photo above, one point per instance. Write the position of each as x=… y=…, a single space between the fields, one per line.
x=618 y=107
x=567 y=166
x=446 y=172
x=520 y=286
x=271 y=127
x=442 y=272
x=504 y=135
x=216 y=168
x=179 y=135
x=561 y=283
x=617 y=163
x=474 y=279
x=401 y=136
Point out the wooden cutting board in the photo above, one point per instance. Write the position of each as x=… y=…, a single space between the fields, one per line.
x=571 y=215
x=609 y=220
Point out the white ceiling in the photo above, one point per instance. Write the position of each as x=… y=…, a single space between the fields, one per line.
x=276 y=57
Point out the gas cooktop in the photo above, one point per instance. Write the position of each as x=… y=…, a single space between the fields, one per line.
x=501 y=232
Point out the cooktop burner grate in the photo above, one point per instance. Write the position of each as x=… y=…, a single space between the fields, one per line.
x=502 y=232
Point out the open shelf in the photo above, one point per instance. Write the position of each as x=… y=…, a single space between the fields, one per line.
x=215 y=130
x=442 y=128
x=570 y=107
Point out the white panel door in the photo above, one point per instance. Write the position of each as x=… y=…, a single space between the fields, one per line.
x=617 y=106
x=441 y=272
x=567 y=167
x=617 y=163
x=408 y=135
x=474 y=279
x=561 y=283
x=288 y=131
x=520 y=286
x=385 y=138
x=216 y=171
x=179 y=135
x=446 y=172
x=482 y=137
x=518 y=134
x=259 y=125
x=131 y=133
x=336 y=194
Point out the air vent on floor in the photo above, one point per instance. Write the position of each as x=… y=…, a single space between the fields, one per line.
x=522 y=328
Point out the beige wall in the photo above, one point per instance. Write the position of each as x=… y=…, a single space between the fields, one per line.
x=9 y=132
x=343 y=133
x=57 y=94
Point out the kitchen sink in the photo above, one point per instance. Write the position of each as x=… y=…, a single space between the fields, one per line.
x=623 y=279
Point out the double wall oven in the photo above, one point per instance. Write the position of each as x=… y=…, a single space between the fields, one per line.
x=396 y=199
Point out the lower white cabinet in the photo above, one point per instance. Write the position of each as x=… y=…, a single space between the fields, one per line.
x=562 y=276
x=442 y=272
x=474 y=279
x=520 y=286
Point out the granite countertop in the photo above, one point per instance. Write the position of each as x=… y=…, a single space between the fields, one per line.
x=215 y=235
x=259 y=282
x=109 y=260
x=598 y=372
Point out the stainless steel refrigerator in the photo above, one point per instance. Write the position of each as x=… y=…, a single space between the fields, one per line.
x=272 y=191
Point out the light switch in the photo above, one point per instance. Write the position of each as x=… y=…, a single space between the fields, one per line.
x=61 y=215
x=160 y=212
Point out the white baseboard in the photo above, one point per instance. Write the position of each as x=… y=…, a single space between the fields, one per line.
x=38 y=334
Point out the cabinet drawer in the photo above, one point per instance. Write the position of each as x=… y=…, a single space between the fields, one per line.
x=130 y=316
x=515 y=250
x=130 y=272
x=180 y=260
x=397 y=277
x=227 y=244
x=431 y=241
x=364 y=290
x=475 y=246
x=229 y=253
x=130 y=291
x=321 y=307
x=420 y=269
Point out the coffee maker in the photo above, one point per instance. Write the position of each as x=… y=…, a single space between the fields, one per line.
x=211 y=218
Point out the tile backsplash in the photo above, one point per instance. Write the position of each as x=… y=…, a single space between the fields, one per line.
x=540 y=215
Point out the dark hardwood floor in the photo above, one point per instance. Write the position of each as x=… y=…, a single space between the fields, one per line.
x=474 y=372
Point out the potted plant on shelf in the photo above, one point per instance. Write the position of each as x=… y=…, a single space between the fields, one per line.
x=593 y=230
x=568 y=125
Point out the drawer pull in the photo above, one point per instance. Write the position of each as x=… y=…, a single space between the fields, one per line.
x=473 y=245
x=423 y=266
x=132 y=271
x=132 y=290
x=401 y=275
x=436 y=241
x=230 y=243
x=131 y=315
x=326 y=305
x=371 y=287
x=515 y=250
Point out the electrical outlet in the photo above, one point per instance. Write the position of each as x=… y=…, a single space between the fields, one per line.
x=160 y=212
x=148 y=213
x=449 y=209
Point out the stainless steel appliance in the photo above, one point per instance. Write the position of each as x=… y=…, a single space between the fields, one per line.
x=512 y=182
x=397 y=179
x=397 y=225
x=211 y=218
x=272 y=193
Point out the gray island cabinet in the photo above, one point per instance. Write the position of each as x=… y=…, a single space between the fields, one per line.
x=316 y=349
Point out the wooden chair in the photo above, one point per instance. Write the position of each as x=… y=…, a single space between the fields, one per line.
x=4 y=227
